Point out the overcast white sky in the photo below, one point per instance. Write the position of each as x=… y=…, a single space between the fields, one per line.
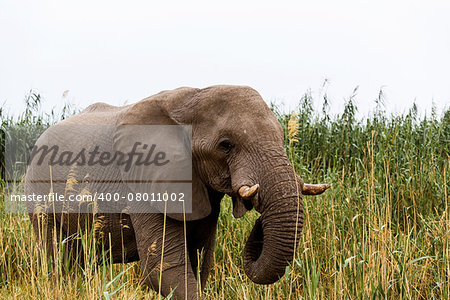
x=117 y=51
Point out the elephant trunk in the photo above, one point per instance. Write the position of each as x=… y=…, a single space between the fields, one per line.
x=271 y=244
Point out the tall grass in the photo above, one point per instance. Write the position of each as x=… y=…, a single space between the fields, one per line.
x=381 y=232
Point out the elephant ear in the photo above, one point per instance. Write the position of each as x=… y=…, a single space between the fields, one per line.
x=173 y=173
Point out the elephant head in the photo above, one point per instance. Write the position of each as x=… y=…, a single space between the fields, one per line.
x=238 y=150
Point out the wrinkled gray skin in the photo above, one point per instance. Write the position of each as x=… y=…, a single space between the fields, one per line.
x=236 y=141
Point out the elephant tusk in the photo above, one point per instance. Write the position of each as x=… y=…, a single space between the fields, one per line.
x=314 y=189
x=247 y=192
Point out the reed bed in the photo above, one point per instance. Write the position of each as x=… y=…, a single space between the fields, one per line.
x=381 y=232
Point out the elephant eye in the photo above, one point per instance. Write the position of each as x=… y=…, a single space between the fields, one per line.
x=226 y=146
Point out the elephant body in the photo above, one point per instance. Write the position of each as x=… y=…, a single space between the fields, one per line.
x=237 y=149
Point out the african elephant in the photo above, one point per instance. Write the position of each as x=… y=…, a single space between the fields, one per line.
x=237 y=150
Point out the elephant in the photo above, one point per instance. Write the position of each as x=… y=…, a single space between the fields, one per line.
x=237 y=149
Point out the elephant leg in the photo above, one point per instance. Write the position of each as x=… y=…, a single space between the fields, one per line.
x=52 y=235
x=47 y=231
x=201 y=242
x=176 y=272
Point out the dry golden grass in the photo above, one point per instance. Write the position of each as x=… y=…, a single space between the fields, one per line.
x=381 y=232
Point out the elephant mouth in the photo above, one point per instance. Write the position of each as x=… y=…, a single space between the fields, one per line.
x=248 y=195
x=243 y=203
x=248 y=205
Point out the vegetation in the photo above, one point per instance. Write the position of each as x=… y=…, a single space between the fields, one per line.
x=381 y=231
